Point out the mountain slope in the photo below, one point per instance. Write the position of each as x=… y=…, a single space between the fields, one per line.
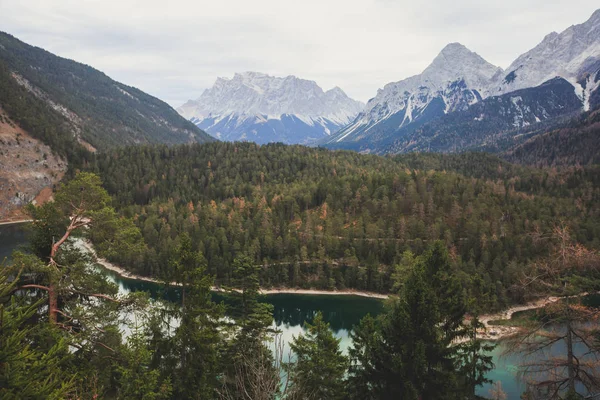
x=261 y=108
x=462 y=102
x=493 y=123
x=572 y=54
x=575 y=143
x=28 y=169
x=87 y=105
x=453 y=81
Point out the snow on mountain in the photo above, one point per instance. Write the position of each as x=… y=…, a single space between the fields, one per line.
x=569 y=55
x=262 y=108
x=455 y=79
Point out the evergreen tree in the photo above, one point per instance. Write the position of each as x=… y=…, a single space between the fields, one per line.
x=27 y=370
x=252 y=316
x=194 y=359
x=138 y=380
x=475 y=361
x=320 y=366
x=410 y=353
x=82 y=307
x=362 y=366
x=248 y=351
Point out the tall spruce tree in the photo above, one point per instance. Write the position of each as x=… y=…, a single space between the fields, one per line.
x=410 y=352
x=319 y=369
x=137 y=379
x=250 y=365
x=194 y=359
x=475 y=360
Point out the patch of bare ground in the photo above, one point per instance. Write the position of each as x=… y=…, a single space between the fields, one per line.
x=28 y=170
x=86 y=145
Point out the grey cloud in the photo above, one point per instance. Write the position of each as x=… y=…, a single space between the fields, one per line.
x=175 y=49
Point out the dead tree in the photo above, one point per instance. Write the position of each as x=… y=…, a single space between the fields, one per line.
x=261 y=376
x=561 y=359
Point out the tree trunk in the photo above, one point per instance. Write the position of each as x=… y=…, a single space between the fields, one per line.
x=570 y=358
x=52 y=303
x=52 y=294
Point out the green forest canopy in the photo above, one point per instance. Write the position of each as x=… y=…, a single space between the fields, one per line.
x=338 y=220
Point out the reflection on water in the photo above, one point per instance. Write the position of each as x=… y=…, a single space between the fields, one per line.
x=341 y=312
x=11 y=238
x=292 y=310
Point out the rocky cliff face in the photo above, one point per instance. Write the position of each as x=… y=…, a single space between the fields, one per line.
x=28 y=169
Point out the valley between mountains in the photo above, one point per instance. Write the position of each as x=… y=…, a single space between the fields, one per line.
x=462 y=204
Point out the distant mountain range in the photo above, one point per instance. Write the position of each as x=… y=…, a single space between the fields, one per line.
x=257 y=107
x=63 y=102
x=463 y=102
x=459 y=102
x=456 y=79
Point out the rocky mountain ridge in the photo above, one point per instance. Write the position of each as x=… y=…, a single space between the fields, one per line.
x=444 y=99
x=262 y=108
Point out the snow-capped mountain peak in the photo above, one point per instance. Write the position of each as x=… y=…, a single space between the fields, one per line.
x=566 y=54
x=455 y=61
x=461 y=94
x=258 y=97
x=453 y=81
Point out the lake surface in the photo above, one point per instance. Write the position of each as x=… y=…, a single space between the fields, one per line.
x=291 y=311
x=11 y=238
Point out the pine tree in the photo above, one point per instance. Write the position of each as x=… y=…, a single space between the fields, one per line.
x=251 y=315
x=194 y=359
x=82 y=307
x=365 y=339
x=319 y=369
x=248 y=353
x=474 y=360
x=138 y=380
x=28 y=371
x=410 y=353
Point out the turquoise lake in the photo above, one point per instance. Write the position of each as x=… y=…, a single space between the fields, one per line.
x=292 y=310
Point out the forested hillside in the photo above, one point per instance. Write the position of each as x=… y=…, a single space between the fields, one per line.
x=574 y=143
x=314 y=218
x=70 y=333
x=35 y=116
x=62 y=101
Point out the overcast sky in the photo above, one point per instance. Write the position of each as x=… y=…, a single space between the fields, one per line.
x=174 y=49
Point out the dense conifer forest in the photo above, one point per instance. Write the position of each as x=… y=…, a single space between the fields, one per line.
x=574 y=143
x=339 y=220
x=64 y=335
x=457 y=243
x=449 y=237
